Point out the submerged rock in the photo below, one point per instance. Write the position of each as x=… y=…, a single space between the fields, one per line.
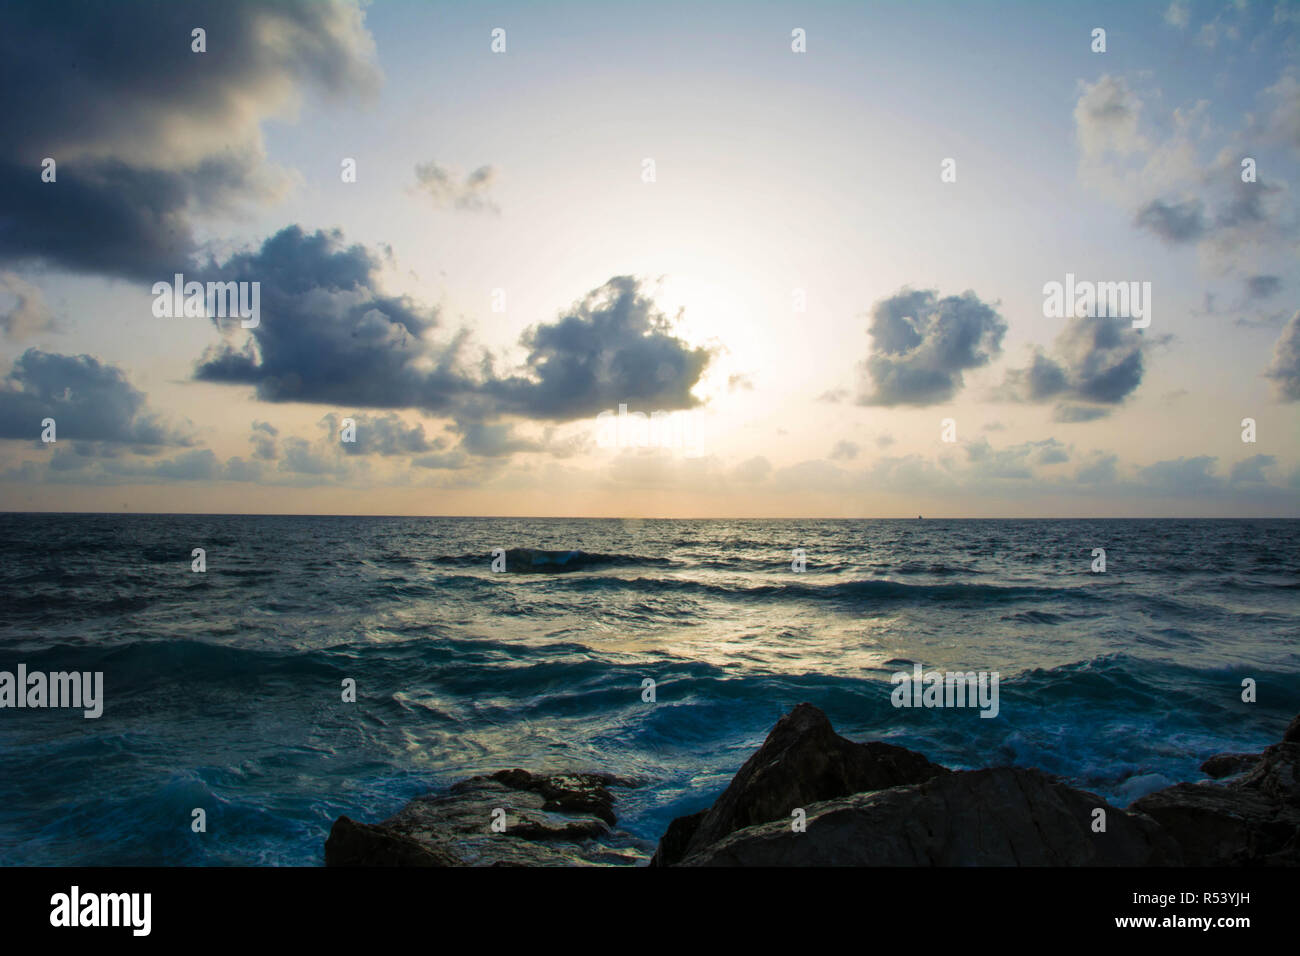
x=802 y=761
x=550 y=820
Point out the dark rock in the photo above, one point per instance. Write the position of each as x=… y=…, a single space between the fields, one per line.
x=1229 y=765
x=673 y=844
x=1292 y=734
x=551 y=820
x=1249 y=821
x=364 y=844
x=1007 y=816
x=801 y=762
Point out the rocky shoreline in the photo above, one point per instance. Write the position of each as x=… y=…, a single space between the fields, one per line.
x=809 y=797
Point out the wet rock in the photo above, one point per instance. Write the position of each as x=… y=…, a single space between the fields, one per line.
x=1249 y=821
x=1007 y=816
x=1228 y=765
x=550 y=820
x=801 y=762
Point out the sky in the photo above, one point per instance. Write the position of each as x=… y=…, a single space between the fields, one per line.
x=815 y=241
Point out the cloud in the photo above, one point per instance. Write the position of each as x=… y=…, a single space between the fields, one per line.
x=1097 y=361
x=922 y=344
x=1284 y=370
x=834 y=396
x=30 y=313
x=1176 y=14
x=448 y=188
x=385 y=435
x=1263 y=287
x=845 y=451
x=1014 y=461
x=1106 y=118
x=493 y=440
x=328 y=335
x=612 y=347
x=1182 y=476
x=87 y=400
x=145 y=132
x=1158 y=171
x=1251 y=470
x=1174 y=223
x=1100 y=469
x=263 y=439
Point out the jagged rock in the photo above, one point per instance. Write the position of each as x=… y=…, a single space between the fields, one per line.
x=1228 y=765
x=673 y=844
x=801 y=762
x=1007 y=816
x=1251 y=820
x=551 y=820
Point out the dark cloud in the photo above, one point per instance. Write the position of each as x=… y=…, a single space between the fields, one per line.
x=1284 y=370
x=327 y=335
x=1263 y=287
x=1097 y=363
x=612 y=347
x=1173 y=222
x=145 y=132
x=921 y=344
x=493 y=440
x=87 y=400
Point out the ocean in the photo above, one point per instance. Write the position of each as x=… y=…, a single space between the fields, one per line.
x=223 y=689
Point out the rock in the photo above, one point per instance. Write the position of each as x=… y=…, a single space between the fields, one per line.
x=1248 y=821
x=1229 y=765
x=364 y=844
x=801 y=762
x=673 y=844
x=551 y=820
x=1007 y=816
x=1292 y=734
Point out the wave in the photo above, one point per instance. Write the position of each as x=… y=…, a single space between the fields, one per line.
x=857 y=591
x=543 y=561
